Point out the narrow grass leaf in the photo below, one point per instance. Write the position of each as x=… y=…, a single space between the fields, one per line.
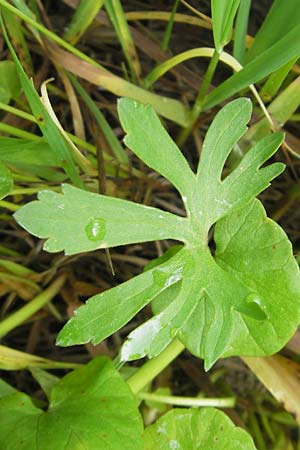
x=281 y=19
x=47 y=126
x=118 y=19
x=240 y=31
x=275 y=80
x=99 y=117
x=84 y=15
x=277 y=55
x=18 y=40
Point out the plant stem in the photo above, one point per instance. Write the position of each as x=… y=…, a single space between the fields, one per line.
x=166 y=39
x=31 y=307
x=9 y=205
x=11 y=359
x=18 y=132
x=228 y=402
x=154 y=366
x=200 y=97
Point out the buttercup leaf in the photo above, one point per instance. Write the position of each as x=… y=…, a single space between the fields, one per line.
x=149 y=141
x=82 y=221
x=90 y=408
x=192 y=429
x=242 y=300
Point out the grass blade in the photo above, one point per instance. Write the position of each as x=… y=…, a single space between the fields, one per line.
x=277 y=56
x=117 y=17
x=82 y=18
x=110 y=136
x=45 y=123
x=241 y=25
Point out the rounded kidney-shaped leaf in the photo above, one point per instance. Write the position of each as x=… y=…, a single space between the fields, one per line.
x=91 y=408
x=191 y=429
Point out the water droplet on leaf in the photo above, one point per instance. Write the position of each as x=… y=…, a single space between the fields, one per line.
x=253 y=307
x=95 y=229
x=173 y=332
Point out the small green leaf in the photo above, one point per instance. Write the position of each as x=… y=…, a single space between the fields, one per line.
x=79 y=221
x=90 y=408
x=6 y=181
x=191 y=429
x=223 y=13
x=9 y=81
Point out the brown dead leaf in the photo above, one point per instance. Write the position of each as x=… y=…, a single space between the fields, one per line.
x=281 y=377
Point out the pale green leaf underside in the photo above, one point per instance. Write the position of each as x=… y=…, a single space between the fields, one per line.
x=192 y=429
x=231 y=303
x=80 y=221
x=91 y=408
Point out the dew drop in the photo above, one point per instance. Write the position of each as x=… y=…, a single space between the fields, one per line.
x=95 y=229
x=254 y=307
x=175 y=277
x=173 y=332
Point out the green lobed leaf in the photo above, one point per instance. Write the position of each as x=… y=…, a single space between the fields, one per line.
x=252 y=290
x=90 y=408
x=107 y=312
x=79 y=221
x=150 y=338
x=192 y=429
x=6 y=181
x=216 y=304
x=217 y=197
x=149 y=141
